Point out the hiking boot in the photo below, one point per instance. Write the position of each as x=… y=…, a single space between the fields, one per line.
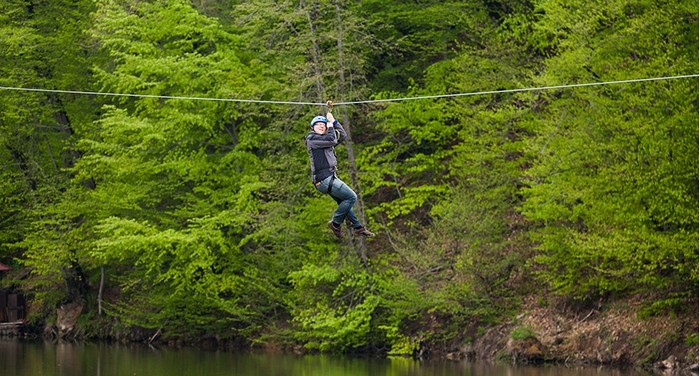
x=337 y=231
x=362 y=231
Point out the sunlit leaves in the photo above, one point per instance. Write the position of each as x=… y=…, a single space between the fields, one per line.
x=202 y=212
x=615 y=182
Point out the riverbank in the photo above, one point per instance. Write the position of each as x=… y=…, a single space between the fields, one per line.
x=623 y=333
x=614 y=334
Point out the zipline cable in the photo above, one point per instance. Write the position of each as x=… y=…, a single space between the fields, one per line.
x=519 y=90
x=542 y=88
x=156 y=96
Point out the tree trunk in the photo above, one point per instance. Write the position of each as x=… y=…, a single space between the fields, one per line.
x=311 y=14
x=315 y=52
x=99 y=294
x=361 y=247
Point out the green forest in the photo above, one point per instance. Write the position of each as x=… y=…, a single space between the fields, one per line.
x=182 y=204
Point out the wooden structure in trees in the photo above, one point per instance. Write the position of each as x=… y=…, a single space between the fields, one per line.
x=12 y=305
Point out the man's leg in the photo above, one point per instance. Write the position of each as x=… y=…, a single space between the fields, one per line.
x=346 y=198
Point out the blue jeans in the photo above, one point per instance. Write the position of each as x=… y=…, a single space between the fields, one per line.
x=345 y=197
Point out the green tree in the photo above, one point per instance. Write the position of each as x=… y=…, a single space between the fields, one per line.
x=315 y=50
x=614 y=186
x=446 y=177
x=173 y=209
x=200 y=217
x=43 y=46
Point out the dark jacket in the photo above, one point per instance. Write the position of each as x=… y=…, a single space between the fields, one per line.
x=321 y=150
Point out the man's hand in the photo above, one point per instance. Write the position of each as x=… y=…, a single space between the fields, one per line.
x=330 y=118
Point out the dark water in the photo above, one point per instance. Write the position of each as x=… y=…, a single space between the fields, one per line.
x=19 y=358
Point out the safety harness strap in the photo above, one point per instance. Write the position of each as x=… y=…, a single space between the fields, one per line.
x=330 y=184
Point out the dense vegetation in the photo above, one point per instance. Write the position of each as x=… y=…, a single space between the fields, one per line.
x=198 y=218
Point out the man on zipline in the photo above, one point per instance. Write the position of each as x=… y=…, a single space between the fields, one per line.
x=321 y=142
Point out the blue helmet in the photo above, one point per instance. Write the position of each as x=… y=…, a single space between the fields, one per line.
x=317 y=119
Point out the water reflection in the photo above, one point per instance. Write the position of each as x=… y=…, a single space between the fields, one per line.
x=69 y=359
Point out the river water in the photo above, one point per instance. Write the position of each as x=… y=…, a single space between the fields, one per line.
x=22 y=358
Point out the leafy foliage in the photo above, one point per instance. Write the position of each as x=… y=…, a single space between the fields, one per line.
x=615 y=182
x=201 y=215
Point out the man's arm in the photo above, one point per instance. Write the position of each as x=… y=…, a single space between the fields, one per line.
x=318 y=141
x=341 y=131
x=327 y=140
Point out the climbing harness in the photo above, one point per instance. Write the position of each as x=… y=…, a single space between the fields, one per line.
x=330 y=184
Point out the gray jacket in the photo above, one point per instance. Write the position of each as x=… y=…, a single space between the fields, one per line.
x=321 y=148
